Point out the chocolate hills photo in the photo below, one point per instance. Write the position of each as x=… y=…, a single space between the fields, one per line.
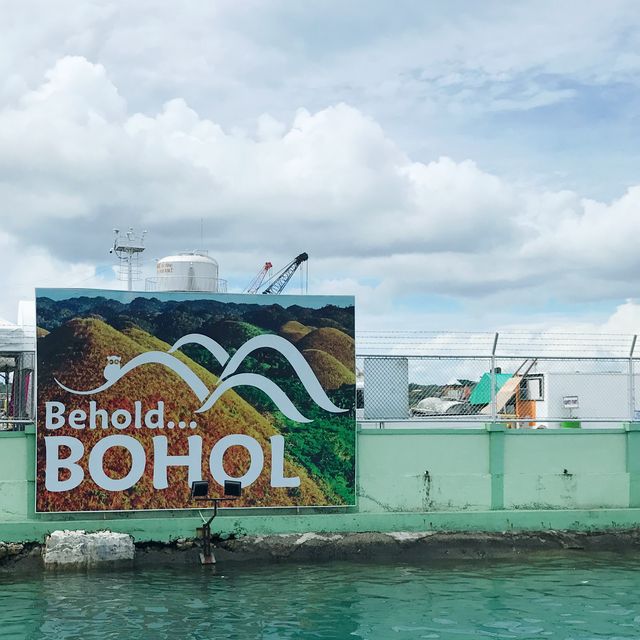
x=79 y=333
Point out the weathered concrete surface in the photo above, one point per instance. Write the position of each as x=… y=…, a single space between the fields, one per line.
x=20 y=557
x=10 y=549
x=427 y=546
x=417 y=545
x=79 y=550
x=399 y=546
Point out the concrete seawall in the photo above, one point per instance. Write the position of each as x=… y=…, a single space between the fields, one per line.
x=400 y=546
x=485 y=479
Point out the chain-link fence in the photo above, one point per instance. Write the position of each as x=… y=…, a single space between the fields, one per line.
x=524 y=380
x=17 y=382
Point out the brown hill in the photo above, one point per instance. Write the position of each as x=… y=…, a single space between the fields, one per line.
x=294 y=330
x=332 y=341
x=331 y=373
x=76 y=354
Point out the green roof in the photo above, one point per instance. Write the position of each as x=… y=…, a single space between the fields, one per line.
x=481 y=393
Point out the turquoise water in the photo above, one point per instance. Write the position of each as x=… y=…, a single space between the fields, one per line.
x=572 y=597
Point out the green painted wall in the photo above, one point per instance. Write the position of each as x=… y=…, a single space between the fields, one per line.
x=16 y=469
x=491 y=479
x=586 y=470
x=423 y=470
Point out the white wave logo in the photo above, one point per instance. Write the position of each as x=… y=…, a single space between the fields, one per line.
x=229 y=379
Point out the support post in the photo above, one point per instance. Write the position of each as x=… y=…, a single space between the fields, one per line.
x=30 y=431
x=633 y=462
x=496 y=463
x=207 y=557
x=230 y=486
x=129 y=272
x=632 y=391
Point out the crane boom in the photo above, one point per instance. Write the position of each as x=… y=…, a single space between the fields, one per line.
x=280 y=280
x=258 y=279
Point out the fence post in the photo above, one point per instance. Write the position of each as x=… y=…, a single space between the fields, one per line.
x=494 y=411
x=632 y=391
x=496 y=433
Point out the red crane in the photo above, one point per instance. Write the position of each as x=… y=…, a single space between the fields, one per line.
x=257 y=281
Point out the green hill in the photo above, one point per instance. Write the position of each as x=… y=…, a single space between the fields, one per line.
x=76 y=354
x=231 y=334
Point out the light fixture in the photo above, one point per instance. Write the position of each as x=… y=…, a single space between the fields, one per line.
x=199 y=489
x=233 y=488
x=200 y=492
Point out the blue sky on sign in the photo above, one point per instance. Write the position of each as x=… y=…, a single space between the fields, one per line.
x=453 y=165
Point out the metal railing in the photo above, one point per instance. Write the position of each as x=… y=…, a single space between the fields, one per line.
x=17 y=401
x=186 y=283
x=14 y=424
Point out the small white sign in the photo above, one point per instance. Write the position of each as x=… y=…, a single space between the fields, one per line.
x=570 y=402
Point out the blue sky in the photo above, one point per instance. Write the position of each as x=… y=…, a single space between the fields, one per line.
x=460 y=164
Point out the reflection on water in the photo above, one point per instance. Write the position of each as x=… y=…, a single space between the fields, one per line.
x=574 y=598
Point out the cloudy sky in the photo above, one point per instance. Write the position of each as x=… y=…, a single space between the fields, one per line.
x=455 y=165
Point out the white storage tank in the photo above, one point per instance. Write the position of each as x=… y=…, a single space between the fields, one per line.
x=187 y=271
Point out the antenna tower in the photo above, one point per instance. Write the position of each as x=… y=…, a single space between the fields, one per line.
x=128 y=248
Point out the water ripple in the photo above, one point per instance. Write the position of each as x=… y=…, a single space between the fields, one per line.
x=569 y=598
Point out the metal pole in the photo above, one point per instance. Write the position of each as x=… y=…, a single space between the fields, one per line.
x=494 y=408
x=129 y=271
x=207 y=556
x=7 y=396
x=632 y=398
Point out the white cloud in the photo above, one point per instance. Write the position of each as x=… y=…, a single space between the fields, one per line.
x=76 y=160
x=511 y=87
x=77 y=92
x=469 y=55
x=26 y=267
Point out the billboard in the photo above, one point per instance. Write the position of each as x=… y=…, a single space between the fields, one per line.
x=139 y=394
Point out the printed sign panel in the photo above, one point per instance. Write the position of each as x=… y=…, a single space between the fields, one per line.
x=140 y=394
